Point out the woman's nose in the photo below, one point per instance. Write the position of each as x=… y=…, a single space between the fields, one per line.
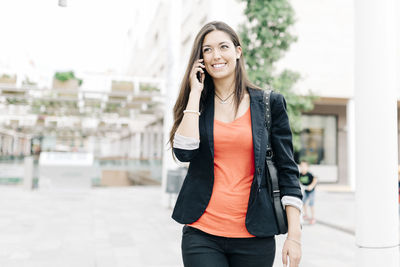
x=217 y=54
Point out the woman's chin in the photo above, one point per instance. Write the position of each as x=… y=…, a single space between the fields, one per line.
x=219 y=76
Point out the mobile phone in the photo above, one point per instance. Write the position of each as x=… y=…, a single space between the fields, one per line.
x=198 y=74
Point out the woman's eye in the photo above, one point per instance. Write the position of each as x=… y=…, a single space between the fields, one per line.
x=205 y=50
x=224 y=46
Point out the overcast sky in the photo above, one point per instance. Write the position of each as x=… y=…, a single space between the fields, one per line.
x=88 y=35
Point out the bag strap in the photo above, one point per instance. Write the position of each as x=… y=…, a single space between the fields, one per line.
x=268 y=118
x=270 y=153
x=273 y=173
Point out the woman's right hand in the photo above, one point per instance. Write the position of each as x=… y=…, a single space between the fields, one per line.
x=195 y=84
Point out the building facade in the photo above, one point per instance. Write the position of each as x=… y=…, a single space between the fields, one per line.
x=323 y=55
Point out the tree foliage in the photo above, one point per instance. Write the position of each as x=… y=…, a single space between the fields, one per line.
x=265 y=37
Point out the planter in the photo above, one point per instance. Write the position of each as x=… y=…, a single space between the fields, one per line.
x=14 y=95
x=6 y=79
x=9 y=81
x=122 y=86
x=67 y=89
x=148 y=88
x=120 y=90
x=68 y=85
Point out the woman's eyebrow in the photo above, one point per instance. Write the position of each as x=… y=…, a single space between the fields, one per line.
x=218 y=44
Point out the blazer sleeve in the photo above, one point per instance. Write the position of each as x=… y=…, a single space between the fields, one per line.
x=281 y=142
x=184 y=155
x=185 y=148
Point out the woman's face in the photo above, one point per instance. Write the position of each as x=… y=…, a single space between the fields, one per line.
x=220 y=55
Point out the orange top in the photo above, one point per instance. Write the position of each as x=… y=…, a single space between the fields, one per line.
x=233 y=175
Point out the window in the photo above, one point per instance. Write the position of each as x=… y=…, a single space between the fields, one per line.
x=318 y=139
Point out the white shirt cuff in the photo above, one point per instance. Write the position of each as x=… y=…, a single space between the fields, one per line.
x=187 y=143
x=292 y=201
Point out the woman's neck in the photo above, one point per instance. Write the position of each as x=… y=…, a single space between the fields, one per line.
x=224 y=87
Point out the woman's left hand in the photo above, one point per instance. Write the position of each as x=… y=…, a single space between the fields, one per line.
x=291 y=249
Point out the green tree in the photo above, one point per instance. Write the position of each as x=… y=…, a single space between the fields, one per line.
x=265 y=37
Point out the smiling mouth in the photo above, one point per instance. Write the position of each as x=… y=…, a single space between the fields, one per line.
x=218 y=66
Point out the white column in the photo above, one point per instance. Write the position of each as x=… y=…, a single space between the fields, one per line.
x=172 y=87
x=157 y=143
x=145 y=151
x=151 y=143
x=115 y=147
x=124 y=146
x=351 y=148
x=10 y=142
x=377 y=219
x=141 y=150
x=131 y=152
x=138 y=143
x=15 y=146
x=132 y=145
x=28 y=173
x=160 y=144
x=127 y=146
x=28 y=146
x=136 y=86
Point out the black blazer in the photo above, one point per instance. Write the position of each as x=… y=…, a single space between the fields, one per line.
x=197 y=187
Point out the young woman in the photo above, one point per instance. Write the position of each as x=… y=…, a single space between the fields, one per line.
x=219 y=128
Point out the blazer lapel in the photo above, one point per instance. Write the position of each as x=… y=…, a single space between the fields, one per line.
x=209 y=123
x=257 y=109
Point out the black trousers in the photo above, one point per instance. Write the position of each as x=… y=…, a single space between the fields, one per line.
x=200 y=249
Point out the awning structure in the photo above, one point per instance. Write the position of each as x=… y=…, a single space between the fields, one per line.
x=102 y=105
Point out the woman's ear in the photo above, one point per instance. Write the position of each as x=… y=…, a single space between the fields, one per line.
x=238 y=52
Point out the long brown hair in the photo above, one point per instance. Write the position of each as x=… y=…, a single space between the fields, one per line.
x=241 y=80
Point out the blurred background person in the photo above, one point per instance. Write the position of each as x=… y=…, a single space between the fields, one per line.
x=309 y=182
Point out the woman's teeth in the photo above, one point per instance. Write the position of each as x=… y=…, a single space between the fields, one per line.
x=218 y=65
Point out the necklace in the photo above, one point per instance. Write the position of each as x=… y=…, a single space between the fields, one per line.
x=223 y=101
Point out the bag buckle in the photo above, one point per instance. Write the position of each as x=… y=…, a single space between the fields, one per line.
x=269 y=153
x=276 y=193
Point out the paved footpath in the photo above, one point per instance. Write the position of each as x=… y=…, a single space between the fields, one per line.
x=118 y=227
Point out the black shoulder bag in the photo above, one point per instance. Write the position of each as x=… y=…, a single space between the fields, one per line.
x=271 y=173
